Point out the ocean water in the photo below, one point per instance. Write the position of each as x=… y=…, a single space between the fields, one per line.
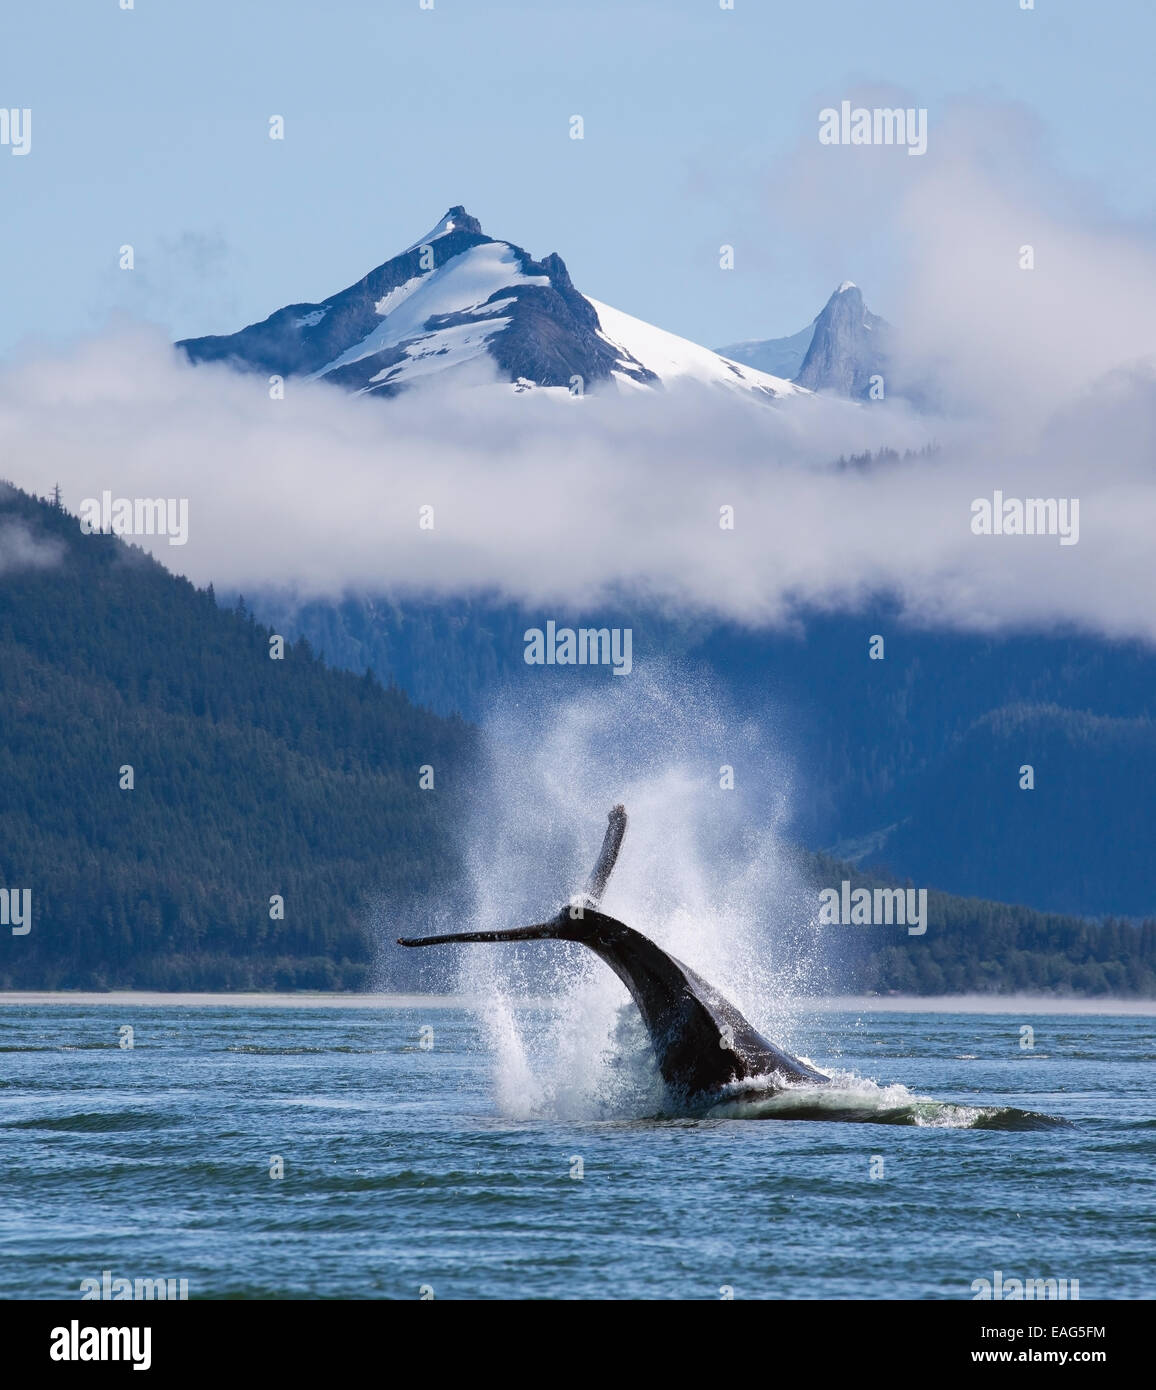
x=947 y=1151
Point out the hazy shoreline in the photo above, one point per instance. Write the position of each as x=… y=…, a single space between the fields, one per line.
x=931 y=1004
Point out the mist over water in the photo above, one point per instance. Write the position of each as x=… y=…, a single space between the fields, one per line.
x=702 y=871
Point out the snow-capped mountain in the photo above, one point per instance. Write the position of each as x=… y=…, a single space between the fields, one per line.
x=458 y=295
x=840 y=350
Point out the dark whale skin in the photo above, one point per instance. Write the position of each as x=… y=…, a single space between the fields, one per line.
x=701 y=1040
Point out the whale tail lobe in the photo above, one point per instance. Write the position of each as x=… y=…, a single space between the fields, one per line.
x=561 y=926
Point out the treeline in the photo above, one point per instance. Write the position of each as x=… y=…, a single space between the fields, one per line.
x=974 y=946
x=253 y=779
x=884 y=458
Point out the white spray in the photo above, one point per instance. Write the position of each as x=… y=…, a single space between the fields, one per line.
x=693 y=875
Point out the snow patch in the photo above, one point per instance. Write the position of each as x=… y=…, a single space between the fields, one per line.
x=434 y=352
x=443 y=228
x=671 y=357
x=465 y=284
x=398 y=295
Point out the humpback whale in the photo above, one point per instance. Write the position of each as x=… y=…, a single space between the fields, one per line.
x=700 y=1039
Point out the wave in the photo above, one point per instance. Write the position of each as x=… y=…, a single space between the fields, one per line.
x=299 y=1051
x=96 y=1122
x=854 y=1099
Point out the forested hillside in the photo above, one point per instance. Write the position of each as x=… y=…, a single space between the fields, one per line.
x=975 y=946
x=253 y=777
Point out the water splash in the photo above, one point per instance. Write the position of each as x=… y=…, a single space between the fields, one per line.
x=726 y=899
x=851 y=1098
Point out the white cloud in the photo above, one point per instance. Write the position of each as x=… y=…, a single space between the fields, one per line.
x=21 y=550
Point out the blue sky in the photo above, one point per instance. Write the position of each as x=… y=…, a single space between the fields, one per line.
x=150 y=127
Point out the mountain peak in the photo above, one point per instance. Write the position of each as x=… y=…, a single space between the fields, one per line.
x=840 y=350
x=457 y=296
x=457 y=219
x=848 y=345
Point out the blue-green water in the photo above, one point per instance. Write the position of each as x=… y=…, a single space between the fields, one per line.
x=401 y=1171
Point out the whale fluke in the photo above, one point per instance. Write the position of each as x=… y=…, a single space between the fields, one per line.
x=543 y=931
x=607 y=855
x=701 y=1040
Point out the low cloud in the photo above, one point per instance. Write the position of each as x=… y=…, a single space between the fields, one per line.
x=21 y=550
x=953 y=234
